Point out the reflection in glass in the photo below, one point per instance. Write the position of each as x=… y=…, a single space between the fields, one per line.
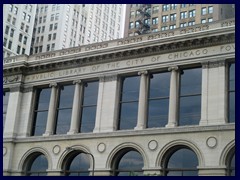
x=89 y=107
x=41 y=111
x=190 y=97
x=231 y=92
x=38 y=166
x=78 y=165
x=64 y=110
x=130 y=164
x=182 y=162
x=5 y=105
x=230 y=164
x=158 y=101
x=129 y=103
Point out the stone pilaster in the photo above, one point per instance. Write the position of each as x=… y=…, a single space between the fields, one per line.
x=107 y=104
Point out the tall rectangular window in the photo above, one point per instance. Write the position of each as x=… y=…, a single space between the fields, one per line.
x=11 y=32
x=231 y=93
x=192 y=13
x=5 y=42
x=155 y=20
x=64 y=109
x=165 y=18
x=9 y=44
x=6 y=29
x=158 y=100
x=41 y=111
x=131 y=25
x=165 y=7
x=204 y=11
x=190 y=97
x=129 y=103
x=183 y=15
x=5 y=105
x=173 y=17
x=89 y=106
x=210 y=9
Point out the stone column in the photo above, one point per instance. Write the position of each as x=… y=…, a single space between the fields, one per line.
x=142 y=103
x=51 y=111
x=174 y=96
x=76 y=108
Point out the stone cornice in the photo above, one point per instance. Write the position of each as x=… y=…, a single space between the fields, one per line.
x=135 y=50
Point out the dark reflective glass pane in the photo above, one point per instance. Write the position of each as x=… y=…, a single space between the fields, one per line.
x=80 y=163
x=232 y=77
x=133 y=173
x=44 y=98
x=40 y=164
x=90 y=93
x=183 y=159
x=130 y=89
x=88 y=119
x=158 y=113
x=159 y=85
x=232 y=166
x=40 y=123
x=232 y=107
x=130 y=164
x=66 y=96
x=190 y=110
x=63 y=121
x=131 y=161
x=128 y=115
x=191 y=81
x=174 y=173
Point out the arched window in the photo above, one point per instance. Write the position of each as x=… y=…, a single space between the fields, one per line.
x=128 y=163
x=230 y=163
x=37 y=165
x=77 y=164
x=181 y=162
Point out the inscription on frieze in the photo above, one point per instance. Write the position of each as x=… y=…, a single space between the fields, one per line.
x=137 y=62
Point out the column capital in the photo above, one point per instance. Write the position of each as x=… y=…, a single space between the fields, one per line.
x=144 y=72
x=78 y=81
x=173 y=68
x=53 y=84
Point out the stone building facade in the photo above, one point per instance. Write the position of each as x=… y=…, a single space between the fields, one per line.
x=99 y=100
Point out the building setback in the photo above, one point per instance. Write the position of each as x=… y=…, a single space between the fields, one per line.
x=153 y=104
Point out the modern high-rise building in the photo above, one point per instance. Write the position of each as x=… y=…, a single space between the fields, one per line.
x=49 y=27
x=18 y=24
x=104 y=22
x=146 y=18
x=58 y=26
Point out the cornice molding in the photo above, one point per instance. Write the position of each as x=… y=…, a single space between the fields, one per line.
x=125 y=53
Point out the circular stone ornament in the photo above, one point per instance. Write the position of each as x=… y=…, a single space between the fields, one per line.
x=56 y=149
x=101 y=147
x=211 y=142
x=152 y=145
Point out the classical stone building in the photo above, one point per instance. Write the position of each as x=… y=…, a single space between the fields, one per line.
x=154 y=104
